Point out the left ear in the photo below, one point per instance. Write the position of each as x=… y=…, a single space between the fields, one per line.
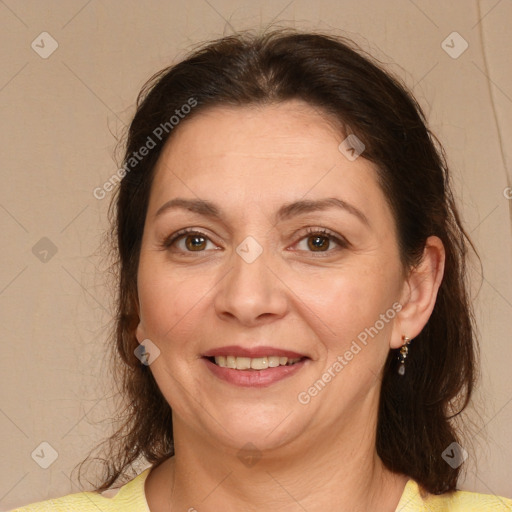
x=419 y=292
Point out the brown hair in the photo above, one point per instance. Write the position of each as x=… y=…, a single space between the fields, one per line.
x=417 y=411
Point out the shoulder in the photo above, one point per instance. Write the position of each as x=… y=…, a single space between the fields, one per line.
x=80 y=502
x=130 y=496
x=458 y=501
x=465 y=501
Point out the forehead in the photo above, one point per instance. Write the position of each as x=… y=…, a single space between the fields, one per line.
x=272 y=154
x=293 y=129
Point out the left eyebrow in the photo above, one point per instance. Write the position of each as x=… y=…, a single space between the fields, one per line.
x=307 y=206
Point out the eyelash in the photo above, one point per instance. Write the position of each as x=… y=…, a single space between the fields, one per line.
x=171 y=240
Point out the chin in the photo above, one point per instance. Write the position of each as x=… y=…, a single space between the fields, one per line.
x=266 y=430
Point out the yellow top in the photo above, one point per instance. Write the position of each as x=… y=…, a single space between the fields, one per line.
x=131 y=498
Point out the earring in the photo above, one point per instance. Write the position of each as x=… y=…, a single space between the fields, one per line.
x=403 y=354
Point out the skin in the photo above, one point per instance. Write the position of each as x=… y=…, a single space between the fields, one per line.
x=320 y=455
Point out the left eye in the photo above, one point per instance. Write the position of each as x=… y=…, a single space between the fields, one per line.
x=320 y=241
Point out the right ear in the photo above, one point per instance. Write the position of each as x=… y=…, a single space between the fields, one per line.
x=140 y=330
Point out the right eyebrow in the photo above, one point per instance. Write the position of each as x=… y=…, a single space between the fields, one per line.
x=199 y=206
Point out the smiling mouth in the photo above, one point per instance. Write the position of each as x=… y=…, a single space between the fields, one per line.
x=254 y=363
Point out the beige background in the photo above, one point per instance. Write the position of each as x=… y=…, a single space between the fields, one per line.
x=58 y=116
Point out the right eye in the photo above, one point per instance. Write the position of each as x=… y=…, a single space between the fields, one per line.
x=194 y=241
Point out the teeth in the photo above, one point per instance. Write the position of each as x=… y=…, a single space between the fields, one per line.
x=256 y=363
x=259 y=363
x=243 y=363
x=273 y=361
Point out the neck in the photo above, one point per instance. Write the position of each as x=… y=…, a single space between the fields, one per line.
x=343 y=472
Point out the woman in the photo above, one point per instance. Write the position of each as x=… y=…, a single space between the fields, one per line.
x=293 y=321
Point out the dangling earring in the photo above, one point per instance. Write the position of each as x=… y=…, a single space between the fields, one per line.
x=403 y=354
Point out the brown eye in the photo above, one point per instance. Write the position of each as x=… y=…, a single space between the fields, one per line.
x=318 y=242
x=321 y=240
x=195 y=242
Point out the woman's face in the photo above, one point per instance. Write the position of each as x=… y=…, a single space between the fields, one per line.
x=259 y=278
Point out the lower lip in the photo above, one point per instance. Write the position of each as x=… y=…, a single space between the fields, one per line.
x=254 y=378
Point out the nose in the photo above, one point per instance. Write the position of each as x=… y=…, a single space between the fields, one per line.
x=251 y=293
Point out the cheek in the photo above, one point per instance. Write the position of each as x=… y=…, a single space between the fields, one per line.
x=172 y=303
x=347 y=304
x=162 y=302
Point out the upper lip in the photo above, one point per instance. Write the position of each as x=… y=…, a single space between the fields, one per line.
x=253 y=352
